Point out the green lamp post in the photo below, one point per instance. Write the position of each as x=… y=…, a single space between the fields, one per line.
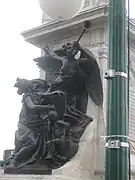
x=117 y=146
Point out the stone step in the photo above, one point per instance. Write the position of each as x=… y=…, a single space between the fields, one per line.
x=35 y=177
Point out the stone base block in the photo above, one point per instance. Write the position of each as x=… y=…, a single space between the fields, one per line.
x=36 y=177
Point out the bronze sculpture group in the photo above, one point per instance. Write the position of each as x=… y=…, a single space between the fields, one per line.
x=53 y=116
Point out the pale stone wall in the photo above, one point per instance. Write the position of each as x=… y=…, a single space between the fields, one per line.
x=132 y=65
x=96 y=3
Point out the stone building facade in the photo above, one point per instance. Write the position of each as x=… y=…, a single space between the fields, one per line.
x=89 y=162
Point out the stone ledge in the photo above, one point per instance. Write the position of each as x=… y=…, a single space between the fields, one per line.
x=36 y=177
x=101 y=173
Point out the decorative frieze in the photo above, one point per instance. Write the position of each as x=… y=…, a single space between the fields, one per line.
x=96 y=3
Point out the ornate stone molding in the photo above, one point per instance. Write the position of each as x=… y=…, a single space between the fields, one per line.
x=48 y=33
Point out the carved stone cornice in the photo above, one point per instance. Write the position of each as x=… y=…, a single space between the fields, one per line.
x=103 y=53
x=55 y=31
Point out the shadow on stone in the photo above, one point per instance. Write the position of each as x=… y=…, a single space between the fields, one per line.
x=36 y=168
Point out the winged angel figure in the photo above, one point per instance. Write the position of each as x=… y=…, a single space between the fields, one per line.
x=79 y=77
x=79 y=66
x=62 y=107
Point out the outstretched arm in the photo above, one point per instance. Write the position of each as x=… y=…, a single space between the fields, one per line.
x=36 y=108
x=52 y=55
x=44 y=94
x=51 y=94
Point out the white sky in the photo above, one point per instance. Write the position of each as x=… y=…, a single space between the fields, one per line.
x=16 y=60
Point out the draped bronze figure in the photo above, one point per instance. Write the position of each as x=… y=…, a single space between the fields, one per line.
x=53 y=116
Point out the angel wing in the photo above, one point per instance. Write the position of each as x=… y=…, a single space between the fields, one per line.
x=49 y=61
x=92 y=78
x=91 y=73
